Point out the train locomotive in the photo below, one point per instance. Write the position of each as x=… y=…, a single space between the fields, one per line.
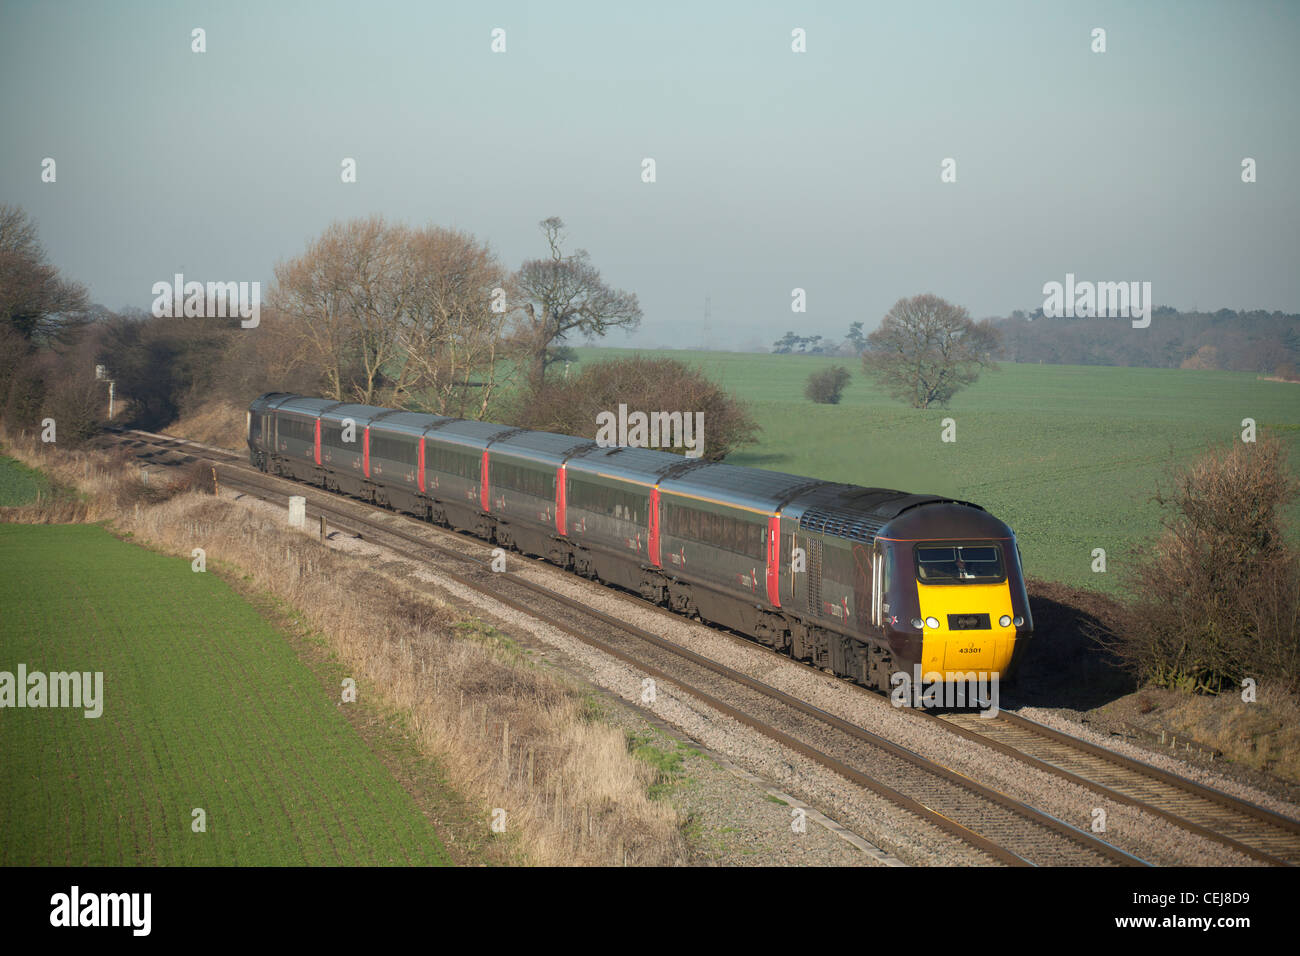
x=864 y=582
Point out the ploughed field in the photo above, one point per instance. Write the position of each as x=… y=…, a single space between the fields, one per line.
x=1069 y=456
x=204 y=705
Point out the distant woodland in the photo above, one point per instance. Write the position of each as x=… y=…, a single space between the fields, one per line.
x=1258 y=341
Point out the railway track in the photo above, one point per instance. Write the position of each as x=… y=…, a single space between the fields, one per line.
x=998 y=826
x=1251 y=830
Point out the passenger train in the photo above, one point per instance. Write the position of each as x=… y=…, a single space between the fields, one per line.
x=864 y=582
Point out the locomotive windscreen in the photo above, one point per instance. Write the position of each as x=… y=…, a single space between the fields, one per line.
x=959 y=564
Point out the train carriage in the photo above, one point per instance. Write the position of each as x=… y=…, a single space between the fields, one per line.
x=610 y=523
x=526 y=496
x=261 y=428
x=456 y=473
x=398 y=449
x=292 y=432
x=720 y=531
x=345 y=447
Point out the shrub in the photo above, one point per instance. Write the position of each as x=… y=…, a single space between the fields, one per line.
x=570 y=406
x=1217 y=597
x=826 y=387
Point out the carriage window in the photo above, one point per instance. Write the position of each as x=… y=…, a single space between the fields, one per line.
x=447 y=461
x=297 y=429
x=726 y=532
x=613 y=502
x=530 y=480
x=959 y=564
x=391 y=449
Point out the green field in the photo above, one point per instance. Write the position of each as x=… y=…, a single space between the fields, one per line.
x=1069 y=456
x=205 y=705
x=19 y=485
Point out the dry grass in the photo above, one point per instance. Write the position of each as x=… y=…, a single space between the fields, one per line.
x=216 y=423
x=1264 y=734
x=509 y=734
x=89 y=485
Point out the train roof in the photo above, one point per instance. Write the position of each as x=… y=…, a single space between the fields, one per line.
x=752 y=488
x=643 y=465
x=945 y=520
x=851 y=511
x=547 y=447
x=301 y=405
x=269 y=400
x=820 y=507
x=413 y=424
x=361 y=414
x=470 y=434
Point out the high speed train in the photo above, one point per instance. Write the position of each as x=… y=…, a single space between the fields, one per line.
x=864 y=582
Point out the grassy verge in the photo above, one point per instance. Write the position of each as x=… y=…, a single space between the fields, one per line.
x=20 y=485
x=1263 y=734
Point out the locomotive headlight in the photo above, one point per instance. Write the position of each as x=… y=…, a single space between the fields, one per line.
x=1019 y=621
x=918 y=623
x=1004 y=620
x=931 y=622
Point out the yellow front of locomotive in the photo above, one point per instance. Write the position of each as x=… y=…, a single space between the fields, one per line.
x=968 y=617
x=971 y=609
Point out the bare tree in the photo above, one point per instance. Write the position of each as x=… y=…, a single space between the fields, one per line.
x=393 y=315
x=927 y=349
x=34 y=299
x=562 y=295
x=456 y=314
x=345 y=296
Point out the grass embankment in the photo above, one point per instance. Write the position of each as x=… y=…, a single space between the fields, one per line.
x=505 y=733
x=1263 y=735
x=217 y=423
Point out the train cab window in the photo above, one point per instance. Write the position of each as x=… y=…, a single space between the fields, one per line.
x=959 y=564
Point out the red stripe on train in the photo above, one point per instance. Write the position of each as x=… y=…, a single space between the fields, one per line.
x=652 y=545
x=483 y=489
x=561 y=500
x=365 y=452
x=420 y=465
x=774 y=560
x=318 y=441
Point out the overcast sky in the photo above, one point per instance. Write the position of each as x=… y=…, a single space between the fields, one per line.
x=774 y=169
